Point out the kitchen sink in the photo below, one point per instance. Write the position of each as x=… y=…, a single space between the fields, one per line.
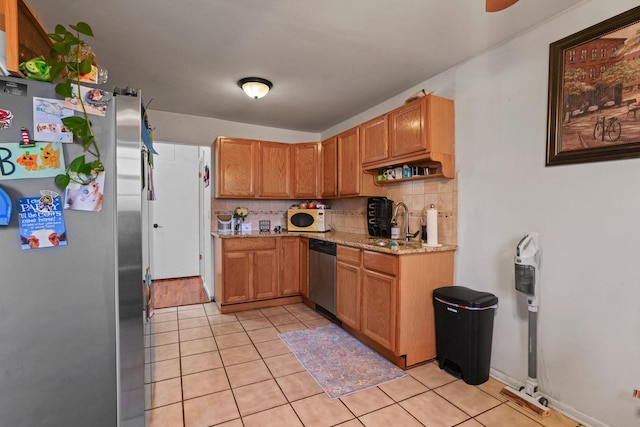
x=387 y=243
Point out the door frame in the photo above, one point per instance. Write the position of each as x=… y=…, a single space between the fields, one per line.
x=204 y=210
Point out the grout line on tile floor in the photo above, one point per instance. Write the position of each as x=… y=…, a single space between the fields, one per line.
x=210 y=313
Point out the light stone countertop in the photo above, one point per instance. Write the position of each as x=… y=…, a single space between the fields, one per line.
x=354 y=240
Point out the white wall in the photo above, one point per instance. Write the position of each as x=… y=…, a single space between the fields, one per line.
x=588 y=216
x=195 y=130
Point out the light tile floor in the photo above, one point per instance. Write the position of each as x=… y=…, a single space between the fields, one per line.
x=205 y=369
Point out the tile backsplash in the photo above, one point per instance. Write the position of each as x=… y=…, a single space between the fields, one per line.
x=349 y=214
x=272 y=210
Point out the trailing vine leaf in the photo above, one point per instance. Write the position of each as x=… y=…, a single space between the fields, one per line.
x=97 y=166
x=62 y=180
x=74 y=123
x=64 y=89
x=56 y=69
x=77 y=164
x=87 y=141
x=65 y=61
x=84 y=67
x=83 y=28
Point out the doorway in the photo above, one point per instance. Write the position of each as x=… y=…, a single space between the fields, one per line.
x=178 y=221
x=177 y=292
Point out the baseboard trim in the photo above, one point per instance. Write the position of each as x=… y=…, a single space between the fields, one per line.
x=554 y=404
x=232 y=308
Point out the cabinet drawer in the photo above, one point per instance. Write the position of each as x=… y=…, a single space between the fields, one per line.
x=384 y=263
x=247 y=243
x=348 y=255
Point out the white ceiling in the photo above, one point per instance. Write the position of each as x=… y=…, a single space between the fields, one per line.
x=328 y=59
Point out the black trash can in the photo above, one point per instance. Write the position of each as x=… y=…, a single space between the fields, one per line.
x=464 y=330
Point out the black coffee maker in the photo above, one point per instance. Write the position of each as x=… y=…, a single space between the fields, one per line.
x=379 y=212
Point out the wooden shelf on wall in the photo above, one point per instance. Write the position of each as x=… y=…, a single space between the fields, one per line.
x=413 y=178
x=436 y=172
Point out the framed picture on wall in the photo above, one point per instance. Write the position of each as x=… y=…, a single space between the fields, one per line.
x=594 y=93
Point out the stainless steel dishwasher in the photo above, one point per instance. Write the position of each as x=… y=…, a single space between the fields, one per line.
x=322 y=274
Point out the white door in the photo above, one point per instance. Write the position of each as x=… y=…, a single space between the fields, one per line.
x=174 y=215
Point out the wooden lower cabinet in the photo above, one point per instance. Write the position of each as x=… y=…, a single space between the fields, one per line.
x=348 y=279
x=237 y=276
x=249 y=269
x=386 y=300
x=304 y=266
x=265 y=274
x=256 y=272
x=379 y=307
x=289 y=263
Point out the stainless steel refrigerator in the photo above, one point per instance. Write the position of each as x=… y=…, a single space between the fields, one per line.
x=71 y=317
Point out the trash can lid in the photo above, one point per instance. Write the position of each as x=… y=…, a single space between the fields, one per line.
x=466 y=297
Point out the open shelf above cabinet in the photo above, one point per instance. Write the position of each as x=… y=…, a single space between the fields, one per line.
x=419 y=171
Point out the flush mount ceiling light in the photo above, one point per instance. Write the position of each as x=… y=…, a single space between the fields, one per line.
x=255 y=87
x=498 y=5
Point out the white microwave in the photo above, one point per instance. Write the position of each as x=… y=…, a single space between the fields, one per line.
x=317 y=220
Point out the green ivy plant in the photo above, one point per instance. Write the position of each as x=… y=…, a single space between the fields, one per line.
x=66 y=61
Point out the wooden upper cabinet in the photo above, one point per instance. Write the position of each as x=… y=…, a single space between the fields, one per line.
x=274 y=168
x=305 y=170
x=374 y=139
x=440 y=128
x=236 y=161
x=33 y=40
x=421 y=132
x=329 y=167
x=24 y=36
x=341 y=166
x=349 y=164
x=407 y=129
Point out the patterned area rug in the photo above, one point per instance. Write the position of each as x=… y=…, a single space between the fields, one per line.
x=339 y=363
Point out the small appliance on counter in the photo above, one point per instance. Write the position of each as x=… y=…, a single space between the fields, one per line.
x=224 y=224
x=379 y=214
x=316 y=220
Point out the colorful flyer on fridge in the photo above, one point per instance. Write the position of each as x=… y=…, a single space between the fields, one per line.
x=85 y=197
x=41 y=221
x=47 y=120
x=95 y=100
x=44 y=160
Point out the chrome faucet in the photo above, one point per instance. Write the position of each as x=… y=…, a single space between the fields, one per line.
x=406 y=219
